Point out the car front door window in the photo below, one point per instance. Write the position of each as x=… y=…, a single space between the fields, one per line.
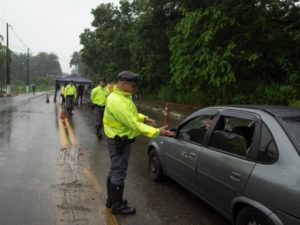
x=195 y=129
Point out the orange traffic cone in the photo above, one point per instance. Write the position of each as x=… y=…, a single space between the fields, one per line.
x=63 y=114
x=47 y=99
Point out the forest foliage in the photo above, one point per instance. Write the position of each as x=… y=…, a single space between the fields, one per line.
x=199 y=51
x=41 y=67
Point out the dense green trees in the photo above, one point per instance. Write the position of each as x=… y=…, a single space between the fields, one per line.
x=42 y=67
x=79 y=66
x=205 y=52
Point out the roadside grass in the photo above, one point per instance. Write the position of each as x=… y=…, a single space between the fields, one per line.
x=21 y=89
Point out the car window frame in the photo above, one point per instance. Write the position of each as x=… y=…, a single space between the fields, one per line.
x=210 y=112
x=282 y=123
x=261 y=150
x=242 y=115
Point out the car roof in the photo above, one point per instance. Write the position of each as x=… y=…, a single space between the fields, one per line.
x=275 y=110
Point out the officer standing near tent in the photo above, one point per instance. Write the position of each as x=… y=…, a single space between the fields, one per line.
x=98 y=99
x=122 y=124
x=70 y=94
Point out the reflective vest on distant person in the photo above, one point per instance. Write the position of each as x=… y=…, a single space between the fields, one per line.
x=70 y=90
x=99 y=95
x=62 y=90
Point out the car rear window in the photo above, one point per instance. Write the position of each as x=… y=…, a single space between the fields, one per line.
x=292 y=128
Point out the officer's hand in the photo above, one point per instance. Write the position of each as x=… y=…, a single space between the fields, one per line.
x=164 y=132
x=150 y=122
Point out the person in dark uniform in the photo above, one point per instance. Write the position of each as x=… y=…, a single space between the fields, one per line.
x=80 y=92
x=122 y=124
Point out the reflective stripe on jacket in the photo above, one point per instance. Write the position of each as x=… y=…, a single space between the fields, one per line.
x=122 y=118
x=99 y=95
x=70 y=90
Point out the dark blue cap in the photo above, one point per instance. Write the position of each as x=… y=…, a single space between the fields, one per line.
x=128 y=76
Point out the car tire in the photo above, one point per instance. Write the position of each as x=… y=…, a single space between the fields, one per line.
x=155 y=168
x=251 y=216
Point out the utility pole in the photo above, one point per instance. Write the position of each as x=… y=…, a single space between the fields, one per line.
x=7 y=62
x=27 y=80
x=1 y=77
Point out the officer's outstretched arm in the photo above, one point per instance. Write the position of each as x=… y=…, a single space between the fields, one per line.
x=164 y=132
x=131 y=120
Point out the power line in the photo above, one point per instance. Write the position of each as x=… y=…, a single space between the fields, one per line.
x=20 y=39
x=15 y=32
x=17 y=47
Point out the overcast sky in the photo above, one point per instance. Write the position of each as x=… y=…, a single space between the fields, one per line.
x=47 y=25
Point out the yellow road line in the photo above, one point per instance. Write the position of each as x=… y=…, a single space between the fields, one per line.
x=71 y=132
x=62 y=133
x=110 y=219
x=67 y=131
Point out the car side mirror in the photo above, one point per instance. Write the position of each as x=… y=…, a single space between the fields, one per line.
x=174 y=130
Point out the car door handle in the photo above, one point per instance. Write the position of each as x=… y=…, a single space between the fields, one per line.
x=192 y=155
x=235 y=176
x=183 y=154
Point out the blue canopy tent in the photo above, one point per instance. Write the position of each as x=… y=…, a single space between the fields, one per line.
x=77 y=79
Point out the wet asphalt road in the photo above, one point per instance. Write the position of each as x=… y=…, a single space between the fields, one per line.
x=26 y=146
x=26 y=162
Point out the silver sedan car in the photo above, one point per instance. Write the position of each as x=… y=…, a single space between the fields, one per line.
x=242 y=160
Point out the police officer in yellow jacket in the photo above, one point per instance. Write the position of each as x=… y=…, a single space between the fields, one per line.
x=98 y=99
x=70 y=93
x=62 y=93
x=122 y=124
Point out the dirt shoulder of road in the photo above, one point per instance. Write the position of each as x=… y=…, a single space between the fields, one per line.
x=78 y=197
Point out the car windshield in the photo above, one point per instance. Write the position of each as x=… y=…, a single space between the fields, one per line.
x=292 y=127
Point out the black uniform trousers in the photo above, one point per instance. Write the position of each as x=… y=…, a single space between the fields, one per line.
x=99 y=111
x=119 y=162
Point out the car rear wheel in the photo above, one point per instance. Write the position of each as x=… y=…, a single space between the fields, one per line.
x=251 y=216
x=155 y=168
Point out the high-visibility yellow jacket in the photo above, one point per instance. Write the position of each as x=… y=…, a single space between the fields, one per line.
x=99 y=95
x=62 y=90
x=122 y=118
x=70 y=90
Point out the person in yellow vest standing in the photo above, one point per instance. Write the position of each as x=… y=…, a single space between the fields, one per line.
x=122 y=124
x=70 y=94
x=98 y=99
x=62 y=93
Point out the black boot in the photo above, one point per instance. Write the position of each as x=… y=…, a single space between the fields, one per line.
x=118 y=207
x=109 y=197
